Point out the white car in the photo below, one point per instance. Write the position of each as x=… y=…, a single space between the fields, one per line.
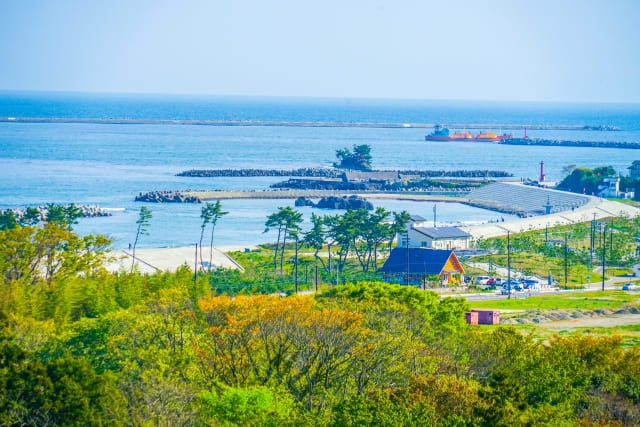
x=482 y=280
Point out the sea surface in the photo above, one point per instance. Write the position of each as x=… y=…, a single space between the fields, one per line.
x=109 y=164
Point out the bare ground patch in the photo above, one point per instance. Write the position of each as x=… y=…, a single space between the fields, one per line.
x=575 y=318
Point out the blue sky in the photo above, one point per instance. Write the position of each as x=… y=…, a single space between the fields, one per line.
x=542 y=50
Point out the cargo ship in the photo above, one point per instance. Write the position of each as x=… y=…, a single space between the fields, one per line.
x=442 y=134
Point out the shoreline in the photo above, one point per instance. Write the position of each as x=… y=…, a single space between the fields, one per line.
x=159 y=259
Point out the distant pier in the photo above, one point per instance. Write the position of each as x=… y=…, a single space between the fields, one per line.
x=131 y=121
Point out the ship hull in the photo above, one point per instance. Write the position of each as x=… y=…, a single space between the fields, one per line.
x=471 y=139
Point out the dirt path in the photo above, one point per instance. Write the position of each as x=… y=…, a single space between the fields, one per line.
x=600 y=322
x=576 y=318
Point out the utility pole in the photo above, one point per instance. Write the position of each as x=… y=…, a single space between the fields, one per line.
x=407 y=256
x=591 y=238
x=195 y=276
x=509 y=264
x=566 y=270
x=434 y=218
x=603 y=227
x=424 y=277
x=296 y=265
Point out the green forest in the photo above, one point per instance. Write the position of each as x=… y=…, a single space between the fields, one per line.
x=82 y=346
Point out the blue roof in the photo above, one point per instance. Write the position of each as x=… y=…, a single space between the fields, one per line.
x=421 y=261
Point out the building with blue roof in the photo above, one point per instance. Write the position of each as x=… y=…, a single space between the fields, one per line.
x=422 y=265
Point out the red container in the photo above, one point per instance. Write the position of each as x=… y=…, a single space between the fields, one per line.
x=471 y=317
x=487 y=317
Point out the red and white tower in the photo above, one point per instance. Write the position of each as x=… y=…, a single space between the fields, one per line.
x=542 y=175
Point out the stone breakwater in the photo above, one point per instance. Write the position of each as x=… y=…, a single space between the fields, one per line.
x=403 y=125
x=566 y=143
x=233 y=173
x=167 y=197
x=336 y=173
x=335 y=202
x=339 y=185
x=89 y=211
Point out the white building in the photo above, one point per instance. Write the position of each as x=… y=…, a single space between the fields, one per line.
x=610 y=187
x=421 y=236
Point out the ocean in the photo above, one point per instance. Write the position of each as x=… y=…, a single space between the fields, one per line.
x=109 y=164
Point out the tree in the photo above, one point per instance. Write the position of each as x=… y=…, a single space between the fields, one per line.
x=8 y=220
x=64 y=216
x=205 y=214
x=359 y=159
x=143 y=223
x=216 y=213
x=275 y=220
x=288 y=222
x=315 y=237
x=31 y=217
x=584 y=180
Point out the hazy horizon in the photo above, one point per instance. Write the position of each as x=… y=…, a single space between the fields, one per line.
x=495 y=50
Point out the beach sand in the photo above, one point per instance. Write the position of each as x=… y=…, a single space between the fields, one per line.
x=169 y=259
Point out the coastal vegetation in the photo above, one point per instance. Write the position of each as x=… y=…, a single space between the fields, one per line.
x=210 y=214
x=359 y=159
x=142 y=223
x=543 y=252
x=585 y=180
x=80 y=345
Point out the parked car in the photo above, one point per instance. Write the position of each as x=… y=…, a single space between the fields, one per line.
x=506 y=290
x=630 y=287
x=482 y=280
x=513 y=284
x=491 y=282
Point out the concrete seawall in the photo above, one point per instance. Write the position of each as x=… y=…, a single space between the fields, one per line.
x=122 y=121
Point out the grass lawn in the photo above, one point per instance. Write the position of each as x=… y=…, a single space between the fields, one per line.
x=583 y=300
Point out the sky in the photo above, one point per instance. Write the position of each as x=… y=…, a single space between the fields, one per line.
x=523 y=50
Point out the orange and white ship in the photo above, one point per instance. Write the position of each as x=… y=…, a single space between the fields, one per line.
x=442 y=134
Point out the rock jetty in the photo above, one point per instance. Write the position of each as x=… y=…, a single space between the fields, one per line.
x=166 y=197
x=336 y=173
x=232 y=173
x=88 y=211
x=334 y=202
x=568 y=143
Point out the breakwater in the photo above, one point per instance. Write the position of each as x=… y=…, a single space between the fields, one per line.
x=129 y=121
x=335 y=202
x=40 y=213
x=198 y=196
x=337 y=173
x=567 y=143
x=237 y=173
x=167 y=197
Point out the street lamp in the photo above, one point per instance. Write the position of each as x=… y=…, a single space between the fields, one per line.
x=509 y=265
x=603 y=230
x=566 y=269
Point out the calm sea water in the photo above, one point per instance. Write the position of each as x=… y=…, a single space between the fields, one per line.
x=109 y=164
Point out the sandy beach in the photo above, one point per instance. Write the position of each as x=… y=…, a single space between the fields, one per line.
x=152 y=260
x=163 y=259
